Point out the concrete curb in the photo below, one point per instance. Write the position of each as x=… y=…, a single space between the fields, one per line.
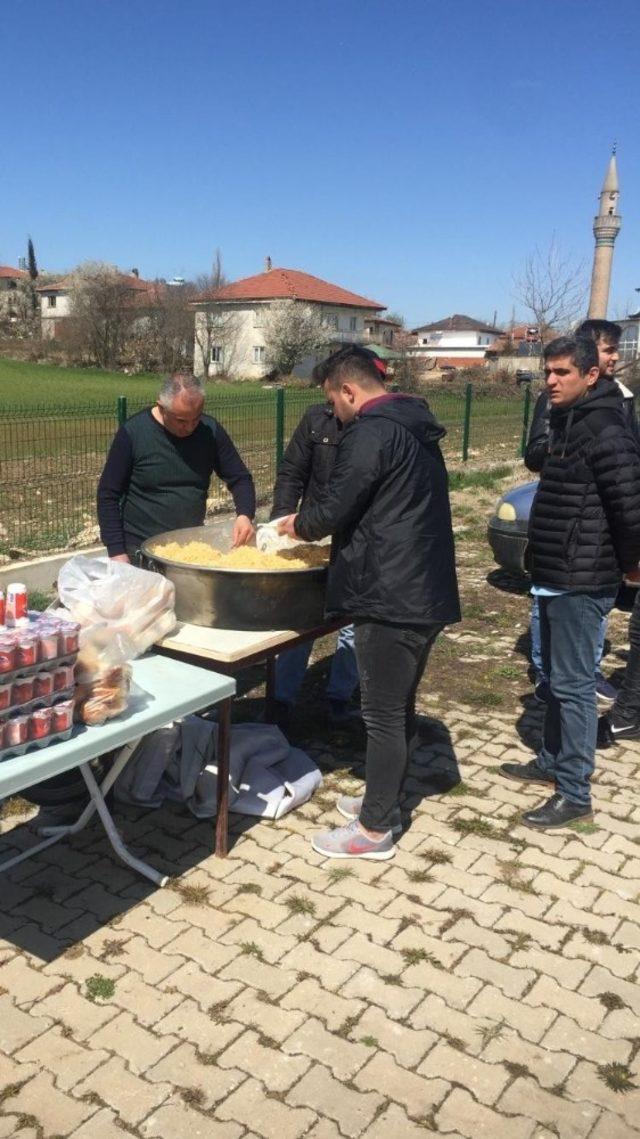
x=41 y=573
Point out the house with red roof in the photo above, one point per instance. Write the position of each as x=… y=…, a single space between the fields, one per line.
x=10 y=278
x=457 y=340
x=239 y=310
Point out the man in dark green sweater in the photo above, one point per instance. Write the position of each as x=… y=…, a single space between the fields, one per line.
x=159 y=467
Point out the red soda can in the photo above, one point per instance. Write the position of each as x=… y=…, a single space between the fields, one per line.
x=69 y=638
x=16 y=609
x=42 y=684
x=62 y=716
x=16 y=731
x=5 y=697
x=2 y=608
x=7 y=656
x=26 y=652
x=63 y=677
x=22 y=690
x=48 y=644
x=40 y=724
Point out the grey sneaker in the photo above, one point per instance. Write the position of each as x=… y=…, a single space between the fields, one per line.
x=350 y=806
x=350 y=842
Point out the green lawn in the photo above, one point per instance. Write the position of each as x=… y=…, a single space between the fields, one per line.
x=30 y=385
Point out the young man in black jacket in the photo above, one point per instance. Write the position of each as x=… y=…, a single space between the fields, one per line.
x=584 y=533
x=392 y=569
x=306 y=468
x=606 y=336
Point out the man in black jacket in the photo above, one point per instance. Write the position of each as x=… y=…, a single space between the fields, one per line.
x=584 y=533
x=606 y=336
x=306 y=468
x=392 y=569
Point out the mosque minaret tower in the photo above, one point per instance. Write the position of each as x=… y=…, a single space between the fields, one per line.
x=605 y=230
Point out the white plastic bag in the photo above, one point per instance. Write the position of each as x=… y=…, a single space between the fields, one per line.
x=131 y=607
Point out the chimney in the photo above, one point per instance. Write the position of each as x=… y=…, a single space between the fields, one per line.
x=135 y=272
x=267 y=264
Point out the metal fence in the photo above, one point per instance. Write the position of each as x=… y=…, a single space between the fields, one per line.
x=51 y=457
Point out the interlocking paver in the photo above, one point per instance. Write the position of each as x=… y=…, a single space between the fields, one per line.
x=586 y=1084
x=571 y=1119
x=59 y=1111
x=312 y=1039
x=132 y=1097
x=18 y=1027
x=268 y=1117
x=140 y=1047
x=309 y=997
x=351 y=1110
x=417 y=1092
x=464 y=1114
x=68 y=1061
x=177 y=1121
x=207 y=1082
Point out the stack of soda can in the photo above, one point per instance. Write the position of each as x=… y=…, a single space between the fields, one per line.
x=37 y=658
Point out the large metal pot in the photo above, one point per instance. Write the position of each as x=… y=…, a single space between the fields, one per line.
x=237 y=599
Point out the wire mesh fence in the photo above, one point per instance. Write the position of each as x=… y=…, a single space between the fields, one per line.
x=51 y=457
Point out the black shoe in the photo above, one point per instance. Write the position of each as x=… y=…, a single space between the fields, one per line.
x=609 y=735
x=526 y=772
x=541 y=692
x=556 y=812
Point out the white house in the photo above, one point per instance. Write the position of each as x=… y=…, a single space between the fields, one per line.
x=229 y=322
x=9 y=281
x=457 y=339
x=55 y=299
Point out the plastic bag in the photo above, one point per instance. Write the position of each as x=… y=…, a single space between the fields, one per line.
x=132 y=606
x=104 y=696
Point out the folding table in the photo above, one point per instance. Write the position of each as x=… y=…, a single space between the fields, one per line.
x=169 y=689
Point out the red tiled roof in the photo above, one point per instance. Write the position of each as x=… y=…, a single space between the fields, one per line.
x=289 y=284
x=461 y=361
x=7 y=271
x=136 y=284
x=457 y=323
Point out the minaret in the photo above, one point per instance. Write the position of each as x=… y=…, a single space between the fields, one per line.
x=605 y=230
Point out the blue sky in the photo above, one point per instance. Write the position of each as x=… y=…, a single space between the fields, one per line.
x=413 y=151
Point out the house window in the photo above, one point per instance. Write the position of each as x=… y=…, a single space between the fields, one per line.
x=258 y=354
x=217 y=354
x=353 y=323
x=258 y=317
x=51 y=302
x=332 y=321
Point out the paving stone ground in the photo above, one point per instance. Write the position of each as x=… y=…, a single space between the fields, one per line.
x=484 y=983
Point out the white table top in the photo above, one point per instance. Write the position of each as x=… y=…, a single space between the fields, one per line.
x=228 y=646
x=170 y=688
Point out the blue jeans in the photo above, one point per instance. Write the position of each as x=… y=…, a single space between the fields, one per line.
x=343 y=677
x=570 y=627
x=536 y=646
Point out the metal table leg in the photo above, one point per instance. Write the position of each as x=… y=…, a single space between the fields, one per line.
x=270 y=690
x=54 y=834
x=224 y=743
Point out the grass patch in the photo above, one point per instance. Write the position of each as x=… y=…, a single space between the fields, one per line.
x=594 y=936
x=296 y=904
x=454 y=1042
x=462 y=480
x=249 y=888
x=611 y=1001
x=485 y=699
x=617 y=1077
x=113 y=948
x=419 y=876
x=252 y=950
x=508 y=671
x=191 y=895
x=584 y=828
x=511 y=874
x=516 y=1070
x=40 y=599
x=474 y=826
x=436 y=857
x=392 y=979
x=521 y=941
x=194 y=1097
x=415 y=956
x=489 y=1032
x=339 y=873
x=369 y=1041
x=99 y=987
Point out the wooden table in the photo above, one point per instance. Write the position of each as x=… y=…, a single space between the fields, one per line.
x=229 y=651
x=169 y=689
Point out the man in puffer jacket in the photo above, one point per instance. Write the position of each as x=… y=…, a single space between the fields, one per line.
x=392 y=569
x=584 y=533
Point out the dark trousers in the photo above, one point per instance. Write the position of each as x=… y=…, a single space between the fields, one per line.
x=391 y=661
x=626 y=710
x=570 y=627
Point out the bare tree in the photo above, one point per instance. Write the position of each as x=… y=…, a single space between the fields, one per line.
x=553 y=287
x=102 y=312
x=292 y=331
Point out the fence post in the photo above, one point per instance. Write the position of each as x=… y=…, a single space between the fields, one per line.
x=122 y=410
x=525 y=419
x=279 y=425
x=467 y=422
